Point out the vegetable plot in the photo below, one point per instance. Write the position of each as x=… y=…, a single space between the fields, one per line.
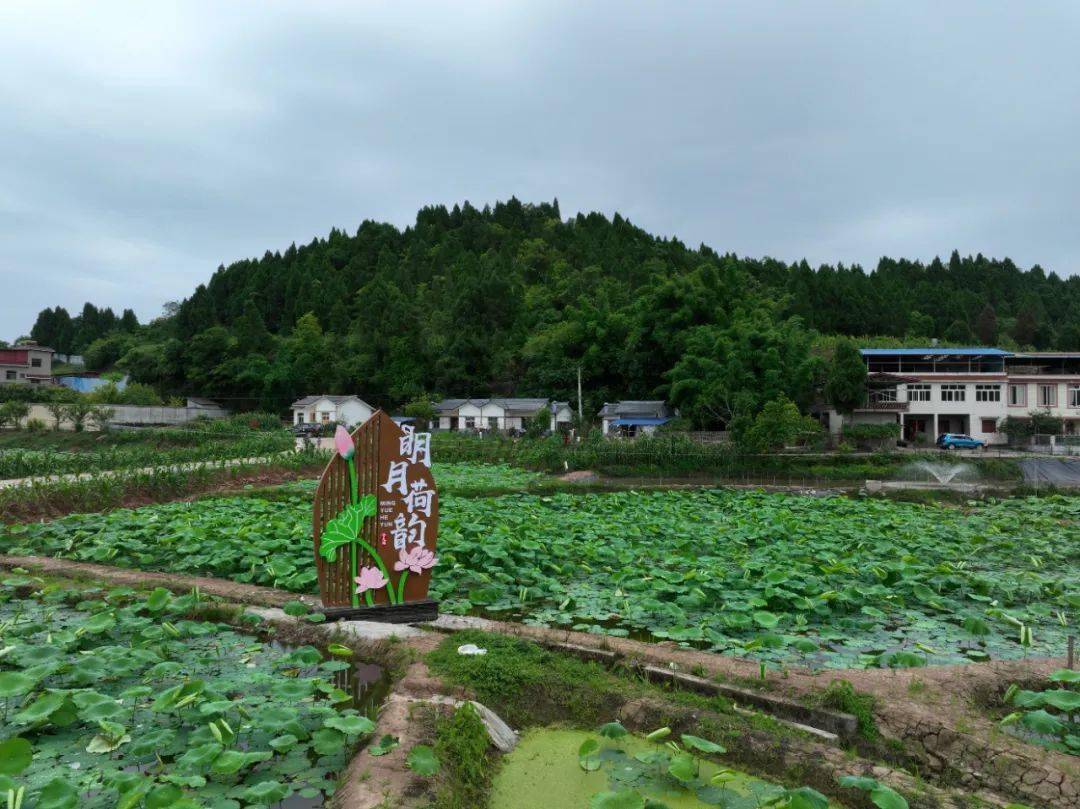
x=833 y=582
x=119 y=700
x=20 y=463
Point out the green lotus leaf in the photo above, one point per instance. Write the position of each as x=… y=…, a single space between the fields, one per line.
x=162 y=796
x=15 y=684
x=588 y=759
x=384 y=745
x=58 y=794
x=283 y=743
x=265 y=793
x=327 y=741
x=158 y=599
x=683 y=767
x=805 y=798
x=704 y=745
x=422 y=760
x=612 y=730
x=199 y=758
x=15 y=755
x=41 y=709
x=1042 y=722
x=232 y=761
x=766 y=619
x=350 y=725
x=885 y=797
x=624 y=799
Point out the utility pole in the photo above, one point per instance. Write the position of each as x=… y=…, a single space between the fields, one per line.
x=580 y=412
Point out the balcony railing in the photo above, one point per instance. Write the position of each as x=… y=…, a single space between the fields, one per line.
x=888 y=399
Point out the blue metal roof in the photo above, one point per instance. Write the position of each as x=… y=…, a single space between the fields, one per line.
x=639 y=422
x=937 y=351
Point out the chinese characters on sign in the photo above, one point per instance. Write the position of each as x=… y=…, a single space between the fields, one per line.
x=409 y=527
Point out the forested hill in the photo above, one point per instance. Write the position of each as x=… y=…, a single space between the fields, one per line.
x=512 y=299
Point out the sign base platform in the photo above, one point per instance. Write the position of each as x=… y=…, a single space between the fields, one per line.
x=411 y=612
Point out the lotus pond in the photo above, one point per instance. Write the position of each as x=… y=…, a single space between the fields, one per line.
x=825 y=582
x=114 y=698
x=557 y=768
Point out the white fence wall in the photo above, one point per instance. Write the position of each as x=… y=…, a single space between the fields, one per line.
x=136 y=415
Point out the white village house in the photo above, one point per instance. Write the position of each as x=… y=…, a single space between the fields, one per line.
x=630 y=417
x=323 y=409
x=930 y=391
x=501 y=414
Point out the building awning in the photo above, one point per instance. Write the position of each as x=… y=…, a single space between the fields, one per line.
x=639 y=422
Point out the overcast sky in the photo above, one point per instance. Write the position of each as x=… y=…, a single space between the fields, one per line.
x=143 y=144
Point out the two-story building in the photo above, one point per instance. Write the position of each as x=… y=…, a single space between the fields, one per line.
x=323 y=409
x=501 y=414
x=930 y=391
x=26 y=363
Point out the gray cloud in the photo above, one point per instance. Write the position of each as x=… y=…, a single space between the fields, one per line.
x=141 y=145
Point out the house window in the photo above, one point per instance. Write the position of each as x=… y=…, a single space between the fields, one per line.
x=10 y=375
x=1017 y=395
x=35 y=362
x=988 y=393
x=325 y=416
x=989 y=425
x=493 y=422
x=299 y=418
x=1047 y=395
x=918 y=393
x=1074 y=395
x=470 y=423
x=953 y=393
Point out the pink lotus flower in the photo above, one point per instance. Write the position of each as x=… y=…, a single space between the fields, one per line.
x=370 y=578
x=344 y=443
x=417 y=559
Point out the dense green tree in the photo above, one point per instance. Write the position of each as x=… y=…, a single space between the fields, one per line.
x=986 y=327
x=514 y=299
x=845 y=385
x=958 y=332
x=729 y=373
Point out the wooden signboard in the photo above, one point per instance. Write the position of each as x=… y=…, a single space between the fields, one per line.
x=376 y=519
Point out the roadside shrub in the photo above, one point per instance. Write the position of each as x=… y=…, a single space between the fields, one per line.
x=872 y=436
x=37 y=393
x=36 y=426
x=12 y=413
x=1037 y=422
x=864 y=432
x=779 y=425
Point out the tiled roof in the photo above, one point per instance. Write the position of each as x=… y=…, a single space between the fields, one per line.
x=635 y=407
x=309 y=400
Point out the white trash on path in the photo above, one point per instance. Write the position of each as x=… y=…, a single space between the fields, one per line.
x=470 y=649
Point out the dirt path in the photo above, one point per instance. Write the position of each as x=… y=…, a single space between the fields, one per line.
x=177 y=583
